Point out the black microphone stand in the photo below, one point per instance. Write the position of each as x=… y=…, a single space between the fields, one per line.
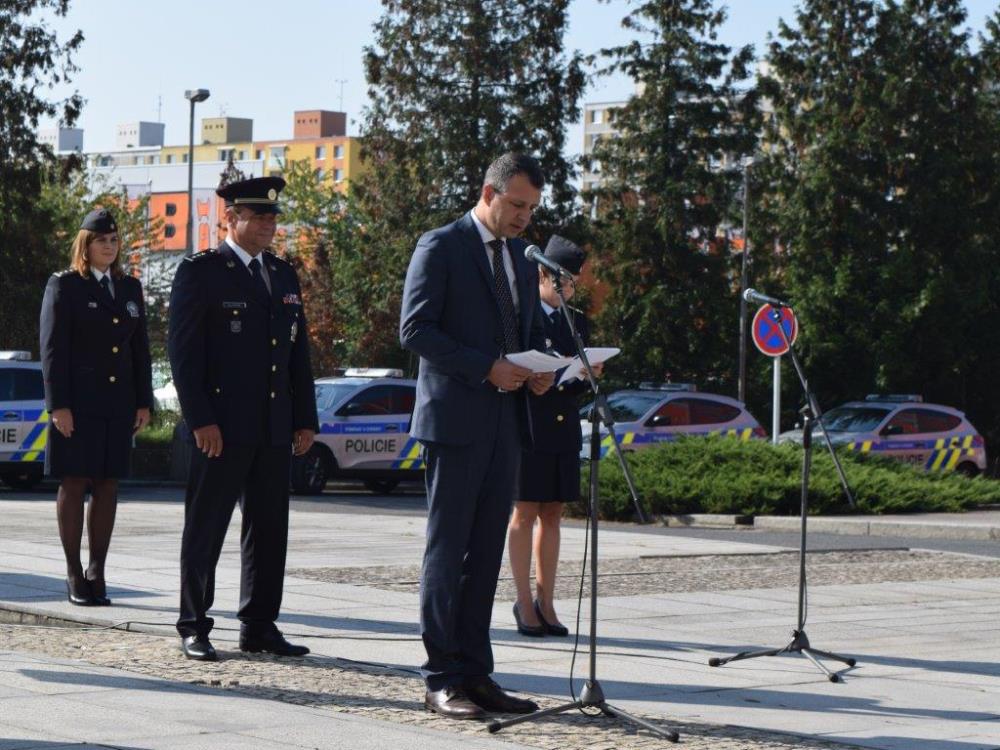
x=800 y=641
x=592 y=696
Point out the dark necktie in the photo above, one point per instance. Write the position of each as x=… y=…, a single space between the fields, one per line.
x=502 y=287
x=105 y=283
x=258 y=278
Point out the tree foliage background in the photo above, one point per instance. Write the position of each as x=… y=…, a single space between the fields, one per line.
x=32 y=60
x=670 y=181
x=880 y=187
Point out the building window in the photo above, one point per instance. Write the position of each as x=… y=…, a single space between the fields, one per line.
x=170 y=209
x=338 y=175
x=169 y=230
x=225 y=153
x=243 y=155
x=320 y=174
x=596 y=116
x=338 y=152
x=184 y=158
x=321 y=152
x=170 y=158
x=259 y=154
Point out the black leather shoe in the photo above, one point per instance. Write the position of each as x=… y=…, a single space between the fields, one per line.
x=199 y=648
x=453 y=703
x=535 y=631
x=490 y=697
x=552 y=628
x=79 y=594
x=272 y=643
x=99 y=592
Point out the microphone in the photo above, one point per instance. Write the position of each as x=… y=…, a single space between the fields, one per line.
x=533 y=254
x=752 y=295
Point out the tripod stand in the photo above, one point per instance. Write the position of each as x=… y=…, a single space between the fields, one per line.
x=592 y=696
x=800 y=641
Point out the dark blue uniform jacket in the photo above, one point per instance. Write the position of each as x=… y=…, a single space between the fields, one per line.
x=94 y=349
x=239 y=360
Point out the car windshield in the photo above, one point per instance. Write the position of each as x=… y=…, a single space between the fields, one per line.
x=627 y=406
x=854 y=418
x=329 y=395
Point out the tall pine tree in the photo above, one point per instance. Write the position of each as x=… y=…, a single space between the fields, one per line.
x=452 y=85
x=670 y=180
x=884 y=167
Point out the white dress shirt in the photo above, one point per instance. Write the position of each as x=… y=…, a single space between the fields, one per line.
x=247 y=257
x=98 y=275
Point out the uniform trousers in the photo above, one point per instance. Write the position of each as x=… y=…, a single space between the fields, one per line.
x=470 y=492
x=257 y=477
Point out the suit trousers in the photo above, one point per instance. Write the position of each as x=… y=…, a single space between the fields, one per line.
x=470 y=492
x=257 y=477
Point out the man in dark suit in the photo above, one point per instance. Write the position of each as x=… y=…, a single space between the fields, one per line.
x=239 y=352
x=470 y=298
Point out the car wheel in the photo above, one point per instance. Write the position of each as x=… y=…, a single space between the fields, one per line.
x=310 y=472
x=24 y=480
x=968 y=469
x=381 y=486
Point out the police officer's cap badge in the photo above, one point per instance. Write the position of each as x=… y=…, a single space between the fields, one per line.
x=259 y=194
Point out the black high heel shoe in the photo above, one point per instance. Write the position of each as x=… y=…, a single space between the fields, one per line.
x=79 y=595
x=557 y=629
x=535 y=631
x=99 y=592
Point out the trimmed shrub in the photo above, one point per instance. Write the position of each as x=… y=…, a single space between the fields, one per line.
x=722 y=475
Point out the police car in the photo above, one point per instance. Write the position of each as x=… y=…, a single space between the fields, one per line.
x=661 y=412
x=933 y=436
x=23 y=420
x=364 y=424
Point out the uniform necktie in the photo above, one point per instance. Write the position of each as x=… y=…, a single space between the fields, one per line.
x=258 y=278
x=105 y=283
x=502 y=287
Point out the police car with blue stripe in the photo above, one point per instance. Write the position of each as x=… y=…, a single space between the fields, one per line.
x=23 y=420
x=364 y=425
x=663 y=412
x=902 y=426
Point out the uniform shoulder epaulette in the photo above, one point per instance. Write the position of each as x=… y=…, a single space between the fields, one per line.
x=201 y=255
x=64 y=272
x=274 y=258
x=576 y=310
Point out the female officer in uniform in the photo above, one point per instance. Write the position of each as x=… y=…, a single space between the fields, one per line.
x=98 y=390
x=550 y=471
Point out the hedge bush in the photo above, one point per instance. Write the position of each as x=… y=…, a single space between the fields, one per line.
x=723 y=475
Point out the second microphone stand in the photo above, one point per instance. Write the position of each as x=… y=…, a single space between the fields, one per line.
x=800 y=641
x=592 y=696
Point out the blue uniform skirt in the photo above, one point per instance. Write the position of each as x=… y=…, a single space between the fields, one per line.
x=99 y=448
x=550 y=477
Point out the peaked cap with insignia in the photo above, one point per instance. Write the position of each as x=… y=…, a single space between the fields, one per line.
x=260 y=194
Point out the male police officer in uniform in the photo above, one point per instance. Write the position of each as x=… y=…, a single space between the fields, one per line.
x=239 y=352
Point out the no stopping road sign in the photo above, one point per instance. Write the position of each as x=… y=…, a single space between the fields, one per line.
x=765 y=332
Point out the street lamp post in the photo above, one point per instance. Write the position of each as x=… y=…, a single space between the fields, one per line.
x=744 y=281
x=193 y=96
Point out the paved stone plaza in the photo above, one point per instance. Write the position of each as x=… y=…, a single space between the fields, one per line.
x=924 y=626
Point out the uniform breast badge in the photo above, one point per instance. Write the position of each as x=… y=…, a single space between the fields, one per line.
x=295 y=330
x=235 y=326
x=133 y=308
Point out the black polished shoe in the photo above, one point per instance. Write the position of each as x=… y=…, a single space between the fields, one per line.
x=99 y=592
x=453 y=703
x=535 y=631
x=272 y=643
x=490 y=697
x=552 y=628
x=79 y=594
x=198 y=648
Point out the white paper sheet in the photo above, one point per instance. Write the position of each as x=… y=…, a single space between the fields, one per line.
x=596 y=355
x=537 y=361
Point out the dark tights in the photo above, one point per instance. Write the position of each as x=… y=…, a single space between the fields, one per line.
x=100 y=524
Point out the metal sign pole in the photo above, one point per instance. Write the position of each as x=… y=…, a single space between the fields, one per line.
x=776 y=401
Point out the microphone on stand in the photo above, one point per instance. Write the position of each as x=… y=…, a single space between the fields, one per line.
x=752 y=295
x=535 y=255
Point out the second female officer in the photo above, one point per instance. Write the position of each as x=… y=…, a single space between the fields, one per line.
x=98 y=391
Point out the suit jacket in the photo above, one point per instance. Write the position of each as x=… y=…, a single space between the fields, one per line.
x=451 y=319
x=94 y=349
x=555 y=418
x=239 y=360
